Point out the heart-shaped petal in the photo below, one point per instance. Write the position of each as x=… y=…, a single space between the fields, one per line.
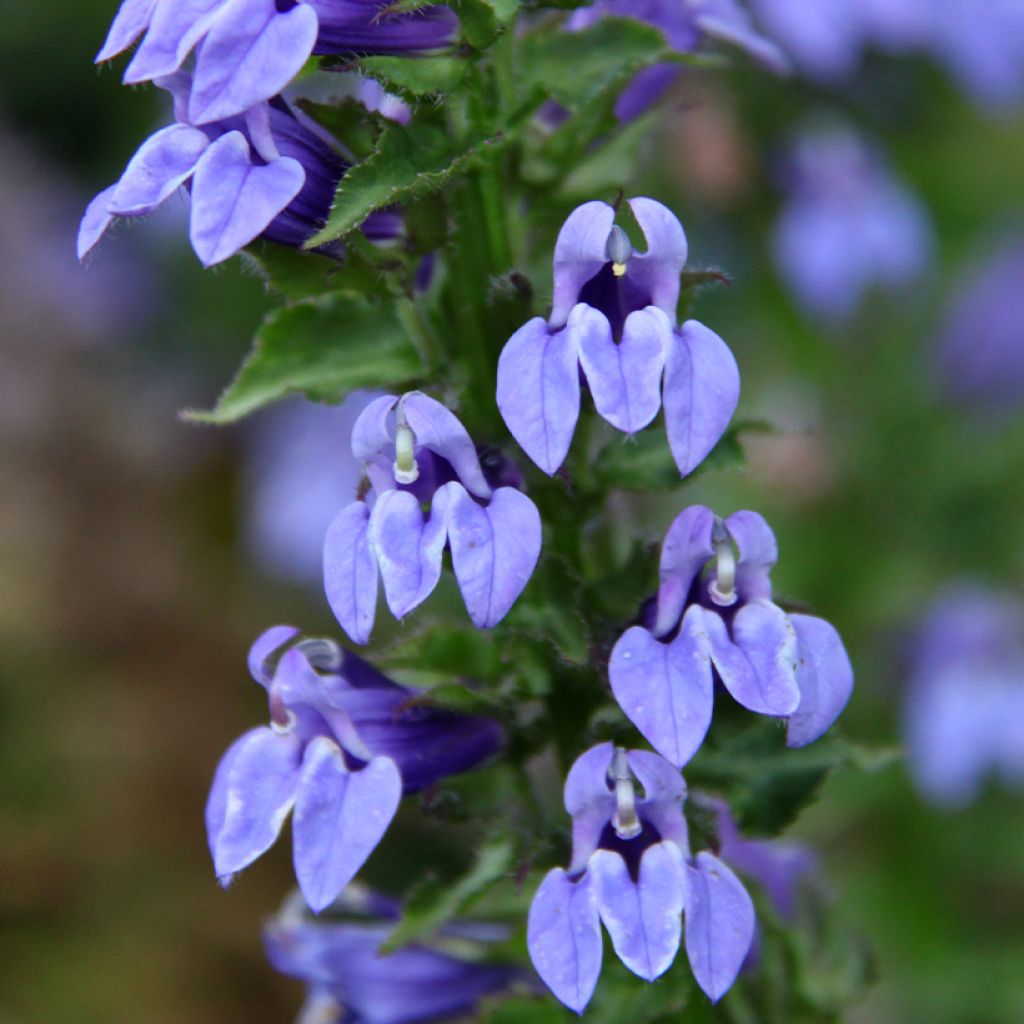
x=764 y=633
x=823 y=674
x=163 y=163
x=350 y=571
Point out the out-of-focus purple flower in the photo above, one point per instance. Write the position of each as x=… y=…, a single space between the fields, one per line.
x=416 y=452
x=979 y=355
x=269 y=174
x=343 y=744
x=632 y=869
x=613 y=317
x=965 y=704
x=248 y=50
x=374 y=96
x=351 y=982
x=847 y=225
x=723 y=625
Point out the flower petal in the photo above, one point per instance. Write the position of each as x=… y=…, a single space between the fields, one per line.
x=687 y=546
x=733 y=666
x=580 y=252
x=539 y=392
x=131 y=20
x=644 y=918
x=174 y=28
x=234 y=200
x=702 y=388
x=494 y=550
x=253 y=791
x=95 y=222
x=719 y=924
x=823 y=674
x=589 y=800
x=664 y=793
x=340 y=816
x=350 y=571
x=758 y=553
x=439 y=429
x=563 y=935
x=163 y=163
x=252 y=51
x=763 y=632
x=665 y=689
x=264 y=646
x=657 y=270
x=624 y=378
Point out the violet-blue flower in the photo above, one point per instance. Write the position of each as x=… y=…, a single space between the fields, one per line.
x=416 y=452
x=848 y=225
x=351 y=982
x=269 y=174
x=248 y=50
x=632 y=869
x=715 y=619
x=613 y=317
x=344 y=743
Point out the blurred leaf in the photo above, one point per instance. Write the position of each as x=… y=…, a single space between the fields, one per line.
x=439 y=648
x=291 y=273
x=348 y=120
x=483 y=21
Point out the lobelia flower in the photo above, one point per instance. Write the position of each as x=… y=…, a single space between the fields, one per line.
x=270 y=174
x=847 y=225
x=343 y=745
x=415 y=453
x=632 y=869
x=723 y=625
x=688 y=26
x=248 y=50
x=351 y=982
x=613 y=318
x=964 y=712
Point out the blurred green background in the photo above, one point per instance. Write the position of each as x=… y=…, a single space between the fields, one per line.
x=127 y=600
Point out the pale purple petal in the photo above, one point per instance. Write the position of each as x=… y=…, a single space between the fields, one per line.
x=732 y=665
x=764 y=633
x=253 y=791
x=340 y=816
x=350 y=571
x=539 y=392
x=129 y=23
x=252 y=51
x=494 y=549
x=163 y=163
x=439 y=429
x=587 y=782
x=657 y=270
x=580 y=252
x=234 y=200
x=719 y=924
x=758 y=552
x=407 y=548
x=665 y=689
x=825 y=678
x=644 y=919
x=373 y=441
x=176 y=26
x=95 y=222
x=624 y=378
x=686 y=548
x=664 y=793
x=563 y=935
x=702 y=388
x=264 y=646
x=729 y=23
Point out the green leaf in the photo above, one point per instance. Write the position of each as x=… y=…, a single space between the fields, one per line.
x=484 y=20
x=348 y=120
x=291 y=273
x=323 y=347
x=414 y=77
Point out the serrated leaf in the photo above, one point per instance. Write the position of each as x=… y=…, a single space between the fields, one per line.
x=293 y=274
x=414 y=77
x=323 y=347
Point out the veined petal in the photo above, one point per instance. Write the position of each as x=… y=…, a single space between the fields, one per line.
x=719 y=924
x=163 y=163
x=624 y=378
x=539 y=392
x=129 y=23
x=823 y=674
x=264 y=646
x=350 y=571
x=580 y=252
x=95 y=222
x=643 y=918
x=687 y=546
x=763 y=632
x=665 y=689
x=234 y=200
x=439 y=429
x=252 y=51
x=702 y=388
x=758 y=552
x=253 y=791
x=340 y=816
x=407 y=549
x=494 y=550
x=174 y=28
x=658 y=269
x=734 y=668
x=563 y=935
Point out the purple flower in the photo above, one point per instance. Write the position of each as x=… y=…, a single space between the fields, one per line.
x=343 y=745
x=269 y=174
x=723 y=625
x=248 y=50
x=415 y=453
x=847 y=226
x=632 y=870
x=964 y=711
x=351 y=982
x=613 y=317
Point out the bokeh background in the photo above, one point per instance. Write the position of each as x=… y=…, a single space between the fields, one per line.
x=886 y=448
